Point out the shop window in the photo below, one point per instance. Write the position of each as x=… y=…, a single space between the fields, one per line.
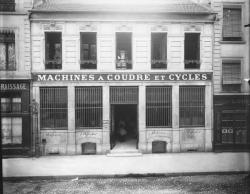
x=53 y=107
x=232 y=30
x=123 y=50
x=159 y=50
x=192 y=106
x=53 y=50
x=88 y=50
x=231 y=76
x=158 y=106
x=192 y=51
x=7 y=52
x=88 y=107
x=11 y=105
x=11 y=128
x=7 y=5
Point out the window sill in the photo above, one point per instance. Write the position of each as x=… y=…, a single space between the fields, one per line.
x=233 y=42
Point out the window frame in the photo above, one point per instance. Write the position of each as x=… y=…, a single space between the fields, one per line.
x=233 y=6
x=7 y=66
x=168 y=106
x=54 y=65
x=201 y=108
x=97 y=106
x=89 y=62
x=231 y=61
x=194 y=63
x=163 y=61
x=127 y=63
x=53 y=109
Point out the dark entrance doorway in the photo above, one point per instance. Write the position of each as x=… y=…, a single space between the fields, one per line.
x=124 y=124
x=124 y=117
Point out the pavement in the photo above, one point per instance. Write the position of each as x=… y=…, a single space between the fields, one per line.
x=104 y=165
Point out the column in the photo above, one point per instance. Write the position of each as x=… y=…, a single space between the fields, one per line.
x=142 y=121
x=175 y=119
x=106 y=120
x=208 y=118
x=71 y=141
x=35 y=126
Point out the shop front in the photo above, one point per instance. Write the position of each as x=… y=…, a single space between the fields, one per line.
x=231 y=123
x=15 y=117
x=96 y=113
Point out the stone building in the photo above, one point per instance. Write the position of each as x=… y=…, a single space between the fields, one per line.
x=230 y=73
x=101 y=66
x=15 y=77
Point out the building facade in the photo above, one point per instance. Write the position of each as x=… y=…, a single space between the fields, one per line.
x=15 y=77
x=99 y=67
x=231 y=71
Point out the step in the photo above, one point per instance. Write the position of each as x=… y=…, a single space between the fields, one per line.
x=117 y=153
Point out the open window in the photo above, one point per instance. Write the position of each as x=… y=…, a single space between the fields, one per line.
x=232 y=24
x=88 y=50
x=192 y=51
x=123 y=50
x=159 y=50
x=231 y=76
x=53 y=50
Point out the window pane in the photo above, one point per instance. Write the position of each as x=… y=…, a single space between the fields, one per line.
x=192 y=106
x=6 y=130
x=17 y=130
x=124 y=50
x=159 y=50
x=11 y=55
x=6 y=104
x=53 y=107
x=192 y=50
x=2 y=56
x=158 y=106
x=53 y=50
x=232 y=24
x=88 y=107
x=88 y=50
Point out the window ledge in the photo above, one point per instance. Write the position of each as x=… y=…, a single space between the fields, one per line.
x=233 y=42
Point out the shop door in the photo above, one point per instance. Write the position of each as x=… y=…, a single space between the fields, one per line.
x=124 y=114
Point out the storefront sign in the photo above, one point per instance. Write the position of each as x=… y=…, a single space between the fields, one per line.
x=14 y=86
x=53 y=77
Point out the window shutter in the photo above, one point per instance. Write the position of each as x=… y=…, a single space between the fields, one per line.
x=231 y=73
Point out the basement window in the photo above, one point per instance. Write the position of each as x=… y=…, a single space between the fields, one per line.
x=192 y=51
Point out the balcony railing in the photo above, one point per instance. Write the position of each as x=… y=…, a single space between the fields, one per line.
x=88 y=64
x=123 y=64
x=53 y=64
x=192 y=64
x=158 y=64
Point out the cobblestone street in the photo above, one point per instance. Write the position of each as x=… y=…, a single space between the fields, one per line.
x=218 y=184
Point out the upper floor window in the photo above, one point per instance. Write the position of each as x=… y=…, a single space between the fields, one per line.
x=7 y=5
x=88 y=50
x=53 y=50
x=231 y=76
x=159 y=50
x=124 y=50
x=232 y=30
x=192 y=51
x=7 y=51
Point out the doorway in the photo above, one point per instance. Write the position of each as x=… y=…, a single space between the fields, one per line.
x=124 y=127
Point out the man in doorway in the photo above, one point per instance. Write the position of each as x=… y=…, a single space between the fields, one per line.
x=122 y=132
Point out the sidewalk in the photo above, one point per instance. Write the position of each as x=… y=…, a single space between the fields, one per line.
x=93 y=165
